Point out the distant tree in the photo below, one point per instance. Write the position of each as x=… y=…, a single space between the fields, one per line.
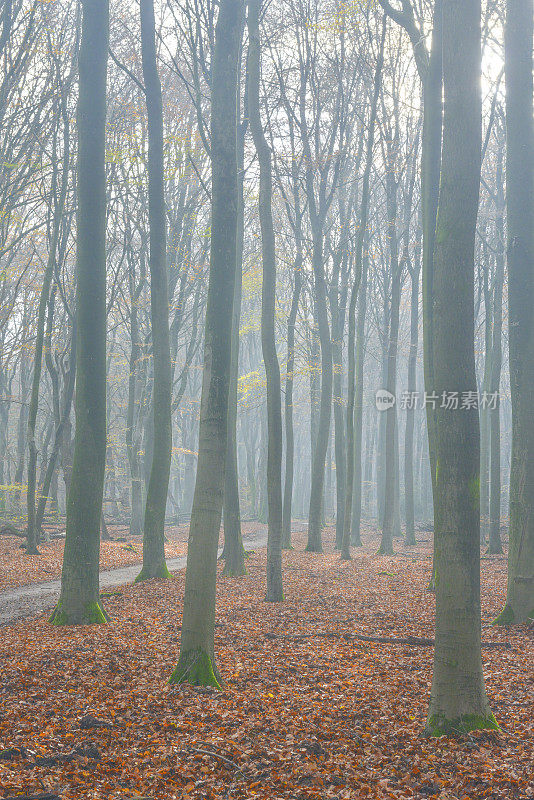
x=355 y=357
x=59 y=191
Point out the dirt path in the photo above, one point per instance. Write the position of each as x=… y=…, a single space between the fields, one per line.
x=33 y=599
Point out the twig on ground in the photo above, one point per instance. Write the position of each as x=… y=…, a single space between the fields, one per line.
x=414 y=641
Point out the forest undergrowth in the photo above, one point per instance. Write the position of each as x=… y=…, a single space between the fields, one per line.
x=307 y=709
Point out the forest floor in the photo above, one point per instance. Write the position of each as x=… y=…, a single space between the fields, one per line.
x=305 y=712
x=19 y=569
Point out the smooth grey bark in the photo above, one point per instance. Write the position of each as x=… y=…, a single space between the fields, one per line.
x=234 y=553
x=275 y=592
x=154 y=565
x=484 y=411
x=79 y=602
x=458 y=698
x=22 y=423
x=133 y=443
x=314 y=544
x=430 y=70
x=59 y=185
x=415 y=270
x=5 y=405
x=196 y=663
x=51 y=470
x=289 y=431
x=357 y=491
x=370 y=436
x=382 y=418
x=495 y=543
x=388 y=524
x=520 y=223
x=338 y=301
x=355 y=359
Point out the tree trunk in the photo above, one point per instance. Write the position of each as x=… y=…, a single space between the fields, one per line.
x=275 y=592
x=495 y=543
x=154 y=565
x=22 y=426
x=33 y=529
x=388 y=526
x=485 y=411
x=458 y=699
x=290 y=436
x=410 y=409
x=58 y=437
x=430 y=180
x=196 y=664
x=520 y=196
x=315 y=520
x=355 y=357
x=79 y=602
x=356 y=515
x=234 y=553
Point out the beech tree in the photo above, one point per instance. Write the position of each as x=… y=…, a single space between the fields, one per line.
x=79 y=602
x=458 y=699
x=197 y=664
x=520 y=204
x=154 y=565
x=268 y=337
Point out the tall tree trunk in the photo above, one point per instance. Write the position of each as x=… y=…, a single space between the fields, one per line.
x=290 y=436
x=356 y=514
x=458 y=699
x=355 y=359
x=412 y=389
x=388 y=525
x=234 y=553
x=58 y=437
x=22 y=424
x=495 y=543
x=275 y=591
x=315 y=519
x=33 y=530
x=154 y=565
x=520 y=196
x=485 y=411
x=366 y=495
x=430 y=182
x=79 y=602
x=4 y=420
x=314 y=361
x=196 y=664
x=382 y=418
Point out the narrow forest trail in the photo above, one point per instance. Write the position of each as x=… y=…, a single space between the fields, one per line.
x=34 y=598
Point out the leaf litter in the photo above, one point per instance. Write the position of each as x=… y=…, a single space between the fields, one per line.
x=307 y=711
